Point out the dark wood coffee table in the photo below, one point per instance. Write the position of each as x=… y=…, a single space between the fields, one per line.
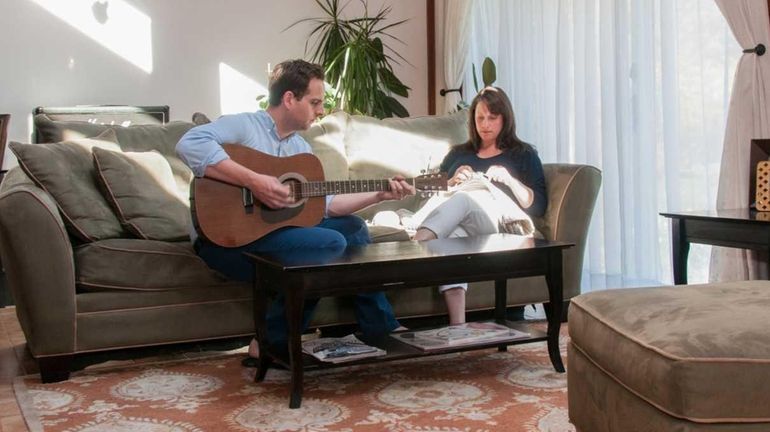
x=398 y=265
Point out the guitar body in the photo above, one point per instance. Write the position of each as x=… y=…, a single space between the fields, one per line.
x=221 y=211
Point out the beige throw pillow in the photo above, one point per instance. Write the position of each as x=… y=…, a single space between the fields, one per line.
x=141 y=189
x=65 y=170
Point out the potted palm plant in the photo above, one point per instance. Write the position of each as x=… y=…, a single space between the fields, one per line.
x=357 y=60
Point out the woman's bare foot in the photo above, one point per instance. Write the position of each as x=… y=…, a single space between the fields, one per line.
x=252 y=360
x=253 y=349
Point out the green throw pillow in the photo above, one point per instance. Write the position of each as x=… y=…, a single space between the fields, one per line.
x=66 y=171
x=140 y=187
x=134 y=137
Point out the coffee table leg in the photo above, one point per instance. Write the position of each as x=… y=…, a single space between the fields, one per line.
x=501 y=300
x=554 y=307
x=295 y=301
x=260 y=309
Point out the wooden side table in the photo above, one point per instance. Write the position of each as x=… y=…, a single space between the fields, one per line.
x=737 y=228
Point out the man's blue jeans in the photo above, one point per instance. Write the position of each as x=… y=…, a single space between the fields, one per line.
x=373 y=311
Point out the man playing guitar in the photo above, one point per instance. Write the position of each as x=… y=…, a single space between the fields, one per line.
x=296 y=99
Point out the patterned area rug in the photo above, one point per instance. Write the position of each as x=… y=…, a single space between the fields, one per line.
x=476 y=391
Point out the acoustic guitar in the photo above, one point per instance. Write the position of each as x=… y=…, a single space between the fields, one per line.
x=229 y=215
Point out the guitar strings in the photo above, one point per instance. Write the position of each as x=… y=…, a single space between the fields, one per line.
x=301 y=190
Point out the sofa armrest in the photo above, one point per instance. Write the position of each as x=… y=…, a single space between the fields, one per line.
x=572 y=192
x=40 y=272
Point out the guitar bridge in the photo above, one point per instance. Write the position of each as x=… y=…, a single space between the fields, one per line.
x=248 y=200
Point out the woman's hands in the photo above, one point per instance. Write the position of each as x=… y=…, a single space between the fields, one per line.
x=461 y=174
x=497 y=173
x=523 y=193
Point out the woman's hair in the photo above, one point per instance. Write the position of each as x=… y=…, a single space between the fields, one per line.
x=498 y=103
x=293 y=76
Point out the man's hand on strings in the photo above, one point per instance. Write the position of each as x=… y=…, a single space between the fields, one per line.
x=399 y=189
x=271 y=192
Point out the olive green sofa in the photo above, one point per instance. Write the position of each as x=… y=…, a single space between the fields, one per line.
x=76 y=295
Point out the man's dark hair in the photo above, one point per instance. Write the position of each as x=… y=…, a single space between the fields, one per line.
x=293 y=76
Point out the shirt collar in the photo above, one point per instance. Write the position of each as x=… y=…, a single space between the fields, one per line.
x=266 y=120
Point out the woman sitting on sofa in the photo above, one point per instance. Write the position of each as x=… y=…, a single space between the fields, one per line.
x=496 y=182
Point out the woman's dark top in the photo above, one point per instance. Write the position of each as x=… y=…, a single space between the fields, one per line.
x=523 y=165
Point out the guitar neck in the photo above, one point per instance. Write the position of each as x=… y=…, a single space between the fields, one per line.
x=340 y=187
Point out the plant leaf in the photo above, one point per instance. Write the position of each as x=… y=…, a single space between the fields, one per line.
x=488 y=72
x=396 y=107
x=377 y=44
x=392 y=83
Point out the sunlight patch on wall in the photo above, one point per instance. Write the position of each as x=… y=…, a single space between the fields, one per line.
x=114 y=24
x=237 y=92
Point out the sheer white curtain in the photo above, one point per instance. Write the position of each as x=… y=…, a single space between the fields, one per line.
x=638 y=88
x=749 y=118
x=457 y=28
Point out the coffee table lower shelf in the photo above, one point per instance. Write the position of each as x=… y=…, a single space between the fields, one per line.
x=397 y=350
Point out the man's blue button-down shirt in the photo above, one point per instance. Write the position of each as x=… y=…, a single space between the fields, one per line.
x=201 y=146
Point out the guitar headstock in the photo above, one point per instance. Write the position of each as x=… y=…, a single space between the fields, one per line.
x=431 y=182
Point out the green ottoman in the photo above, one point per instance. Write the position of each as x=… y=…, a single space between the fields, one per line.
x=683 y=358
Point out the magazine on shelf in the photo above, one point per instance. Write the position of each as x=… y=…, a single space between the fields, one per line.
x=459 y=335
x=340 y=350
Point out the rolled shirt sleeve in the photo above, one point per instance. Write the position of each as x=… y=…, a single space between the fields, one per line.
x=201 y=146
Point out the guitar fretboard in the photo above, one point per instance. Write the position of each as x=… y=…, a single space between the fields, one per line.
x=323 y=188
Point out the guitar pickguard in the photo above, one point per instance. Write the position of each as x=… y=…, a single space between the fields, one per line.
x=275 y=216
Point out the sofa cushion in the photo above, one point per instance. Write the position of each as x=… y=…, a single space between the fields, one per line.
x=141 y=265
x=136 y=138
x=326 y=137
x=140 y=188
x=66 y=171
x=381 y=148
x=697 y=352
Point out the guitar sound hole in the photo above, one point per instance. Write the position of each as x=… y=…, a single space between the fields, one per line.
x=276 y=216
x=296 y=191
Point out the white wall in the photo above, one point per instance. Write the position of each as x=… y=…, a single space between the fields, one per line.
x=46 y=61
